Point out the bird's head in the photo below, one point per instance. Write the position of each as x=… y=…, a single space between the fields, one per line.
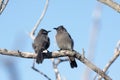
x=60 y=28
x=43 y=31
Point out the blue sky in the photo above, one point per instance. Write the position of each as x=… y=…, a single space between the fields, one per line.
x=19 y=17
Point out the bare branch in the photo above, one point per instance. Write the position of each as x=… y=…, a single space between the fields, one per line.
x=39 y=20
x=3 y=4
x=41 y=73
x=117 y=47
x=55 y=64
x=115 y=56
x=57 y=54
x=111 y=4
x=57 y=73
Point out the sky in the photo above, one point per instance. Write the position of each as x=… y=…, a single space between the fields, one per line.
x=20 y=16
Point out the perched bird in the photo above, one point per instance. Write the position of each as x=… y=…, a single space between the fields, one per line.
x=41 y=43
x=65 y=42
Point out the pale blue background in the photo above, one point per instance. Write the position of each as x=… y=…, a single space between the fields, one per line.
x=19 y=17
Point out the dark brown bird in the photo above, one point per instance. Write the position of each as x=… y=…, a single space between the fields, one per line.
x=65 y=42
x=41 y=43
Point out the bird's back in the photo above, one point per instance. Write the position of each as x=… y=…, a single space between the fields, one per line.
x=41 y=42
x=64 y=40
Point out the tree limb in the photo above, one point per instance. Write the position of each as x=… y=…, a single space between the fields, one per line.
x=111 y=4
x=57 y=54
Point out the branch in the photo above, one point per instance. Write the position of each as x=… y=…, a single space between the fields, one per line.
x=41 y=73
x=55 y=64
x=111 y=4
x=57 y=54
x=57 y=73
x=115 y=56
x=3 y=4
x=39 y=20
x=117 y=47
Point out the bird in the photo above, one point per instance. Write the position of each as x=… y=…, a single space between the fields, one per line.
x=41 y=43
x=65 y=42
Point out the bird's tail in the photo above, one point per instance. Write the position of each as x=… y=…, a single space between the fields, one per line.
x=73 y=63
x=39 y=58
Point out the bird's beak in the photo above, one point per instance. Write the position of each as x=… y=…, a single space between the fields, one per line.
x=55 y=28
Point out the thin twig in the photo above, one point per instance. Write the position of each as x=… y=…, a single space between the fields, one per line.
x=39 y=20
x=83 y=53
x=110 y=63
x=115 y=56
x=117 y=47
x=41 y=73
x=34 y=61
